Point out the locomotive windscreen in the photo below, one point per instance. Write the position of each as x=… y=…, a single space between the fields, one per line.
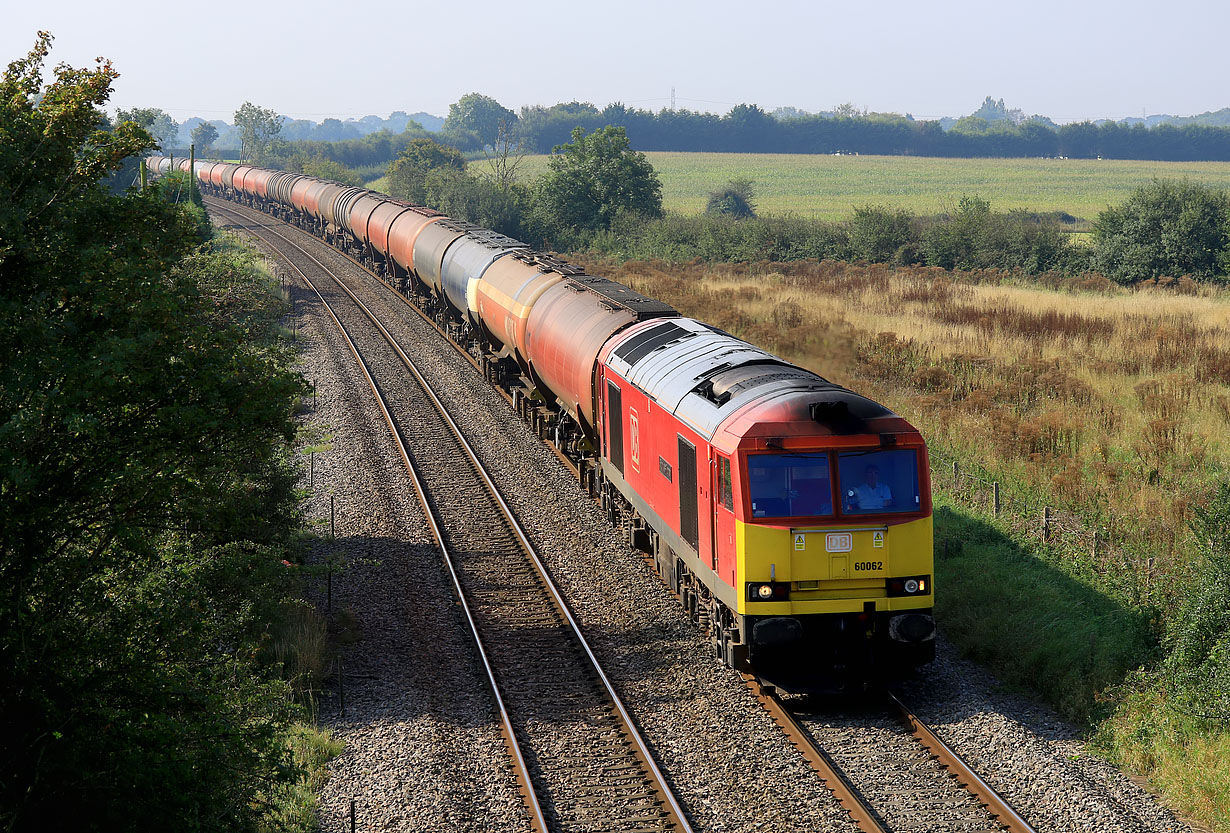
x=878 y=482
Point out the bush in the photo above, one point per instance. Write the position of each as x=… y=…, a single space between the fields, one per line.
x=1167 y=227
x=883 y=235
x=737 y=200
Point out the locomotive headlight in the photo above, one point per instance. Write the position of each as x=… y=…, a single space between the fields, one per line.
x=911 y=586
x=765 y=591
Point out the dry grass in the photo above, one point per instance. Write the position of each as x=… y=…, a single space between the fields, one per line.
x=1107 y=402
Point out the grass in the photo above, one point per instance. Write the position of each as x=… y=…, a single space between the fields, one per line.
x=1109 y=405
x=829 y=187
x=1072 y=643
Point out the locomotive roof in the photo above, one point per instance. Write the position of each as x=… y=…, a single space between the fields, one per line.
x=704 y=376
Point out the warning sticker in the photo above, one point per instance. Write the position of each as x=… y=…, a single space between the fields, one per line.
x=878 y=540
x=800 y=542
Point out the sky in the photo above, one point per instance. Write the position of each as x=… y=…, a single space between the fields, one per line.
x=312 y=59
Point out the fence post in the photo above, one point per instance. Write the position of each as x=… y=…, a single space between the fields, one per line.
x=1046 y=524
x=956 y=474
x=995 y=498
x=1094 y=550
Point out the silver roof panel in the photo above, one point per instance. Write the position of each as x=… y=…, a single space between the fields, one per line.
x=683 y=374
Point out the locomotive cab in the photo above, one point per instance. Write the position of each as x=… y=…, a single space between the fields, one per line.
x=834 y=543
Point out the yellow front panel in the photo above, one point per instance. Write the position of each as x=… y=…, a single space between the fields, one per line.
x=837 y=560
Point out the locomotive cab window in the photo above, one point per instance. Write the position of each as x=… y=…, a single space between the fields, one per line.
x=878 y=482
x=790 y=485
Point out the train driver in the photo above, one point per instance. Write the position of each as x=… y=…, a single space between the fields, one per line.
x=871 y=493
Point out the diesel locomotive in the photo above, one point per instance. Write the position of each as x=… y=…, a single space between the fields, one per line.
x=791 y=515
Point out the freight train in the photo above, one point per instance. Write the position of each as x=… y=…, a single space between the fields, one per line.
x=792 y=516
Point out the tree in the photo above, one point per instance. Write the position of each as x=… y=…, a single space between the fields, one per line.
x=594 y=178
x=203 y=136
x=154 y=121
x=737 y=199
x=408 y=173
x=257 y=127
x=505 y=158
x=481 y=115
x=145 y=489
x=1166 y=227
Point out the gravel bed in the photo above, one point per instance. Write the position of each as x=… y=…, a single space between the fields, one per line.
x=905 y=786
x=423 y=749
x=586 y=773
x=1029 y=755
x=727 y=760
x=730 y=764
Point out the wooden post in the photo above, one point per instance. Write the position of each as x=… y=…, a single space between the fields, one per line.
x=995 y=505
x=341 y=688
x=352 y=818
x=956 y=474
x=1046 y=524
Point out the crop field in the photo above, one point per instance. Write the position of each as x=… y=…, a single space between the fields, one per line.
x=829 y=187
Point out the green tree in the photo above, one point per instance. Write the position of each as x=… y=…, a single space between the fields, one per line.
x=737 y=199
x=158 y=123
x=203 y=137
x=1166 y=227
x=481 y=115
x=257 y=127
x=408 y=172
x=145 y=489
x=593 y=179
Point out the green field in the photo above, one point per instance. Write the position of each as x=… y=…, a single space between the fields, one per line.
x=828 y=187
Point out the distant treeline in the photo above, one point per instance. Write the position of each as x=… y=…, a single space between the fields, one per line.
x=748 y=129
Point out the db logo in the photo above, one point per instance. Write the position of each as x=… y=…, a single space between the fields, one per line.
x=634 y=438
x=839 y=542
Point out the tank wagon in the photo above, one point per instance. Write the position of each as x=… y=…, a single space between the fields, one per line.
x=791 y=515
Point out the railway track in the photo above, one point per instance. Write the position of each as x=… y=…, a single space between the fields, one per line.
x=579 y=757
x=854 y=749
x=883 y=764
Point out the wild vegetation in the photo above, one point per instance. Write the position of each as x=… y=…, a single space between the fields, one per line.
x=1103 y=408
x=147 y=487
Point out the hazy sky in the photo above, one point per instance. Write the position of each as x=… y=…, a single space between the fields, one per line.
x=1068 y=60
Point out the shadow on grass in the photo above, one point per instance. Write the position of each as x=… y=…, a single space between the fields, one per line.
x=1029 y=622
